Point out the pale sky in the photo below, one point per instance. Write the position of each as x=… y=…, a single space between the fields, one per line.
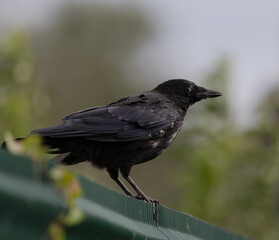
x=191 y=37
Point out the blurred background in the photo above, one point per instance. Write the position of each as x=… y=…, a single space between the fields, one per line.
x=61 y=56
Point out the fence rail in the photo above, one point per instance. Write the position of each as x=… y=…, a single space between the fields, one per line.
x=29 y=203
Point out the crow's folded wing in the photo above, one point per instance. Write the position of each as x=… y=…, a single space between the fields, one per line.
x=130 y=119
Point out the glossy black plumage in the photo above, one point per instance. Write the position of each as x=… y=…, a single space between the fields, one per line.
x=129 y=131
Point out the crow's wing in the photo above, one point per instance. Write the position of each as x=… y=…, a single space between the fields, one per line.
x=129 y=119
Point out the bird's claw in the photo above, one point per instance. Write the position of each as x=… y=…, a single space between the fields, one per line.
x=147 y=199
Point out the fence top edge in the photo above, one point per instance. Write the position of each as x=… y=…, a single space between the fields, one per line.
x=156 y=215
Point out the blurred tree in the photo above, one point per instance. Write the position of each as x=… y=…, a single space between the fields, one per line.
x=16 y=85
x=231 y=177
x=82 y=57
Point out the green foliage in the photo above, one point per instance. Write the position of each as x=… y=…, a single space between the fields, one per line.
x=231 y=177
x=65 y=181
x=30 y=146
x=16 y=85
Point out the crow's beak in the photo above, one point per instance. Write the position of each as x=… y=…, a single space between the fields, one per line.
x=207 y=93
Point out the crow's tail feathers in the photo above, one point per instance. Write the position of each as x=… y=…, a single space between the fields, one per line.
x=3 y=146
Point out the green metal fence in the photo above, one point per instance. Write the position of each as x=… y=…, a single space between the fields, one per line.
x=28 y=203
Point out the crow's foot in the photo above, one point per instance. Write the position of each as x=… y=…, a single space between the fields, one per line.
x=147 y=199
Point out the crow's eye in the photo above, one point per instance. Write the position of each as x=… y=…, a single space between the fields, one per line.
x=189 y=90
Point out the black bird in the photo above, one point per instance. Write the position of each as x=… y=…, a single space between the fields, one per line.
x=127 y=132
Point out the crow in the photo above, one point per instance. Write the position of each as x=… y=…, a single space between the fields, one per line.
x=130 y=131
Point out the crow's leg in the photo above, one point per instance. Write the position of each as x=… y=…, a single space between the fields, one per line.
x=125 y=173
x=113 y=172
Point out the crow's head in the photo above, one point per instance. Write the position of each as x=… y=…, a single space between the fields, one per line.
x=185 y=92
